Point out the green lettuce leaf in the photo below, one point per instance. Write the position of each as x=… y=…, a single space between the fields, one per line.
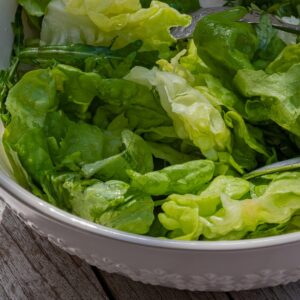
x=248 y=141
x=184 y=178
x=107 y=23
x=219 y=96
x=289 y=56
x=73 y=144
x=112 y=204
x=186 y=64
x=28 y=154
x=269 y=43
x=169 y=154
x=82 y=144
x=224 y=43
x=35 y=8
x=136 y=156
x=276 y=206
x=181 y=212
x=99 y=59
x=139 y=104
x=194 y=117
x=33 y=97
x=164 y=134
x=274 y=96
x=76 y=89
x=34 y=155
x=182 y=6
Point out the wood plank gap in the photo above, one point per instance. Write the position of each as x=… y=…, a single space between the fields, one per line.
x=229 y=296
x=103 y=283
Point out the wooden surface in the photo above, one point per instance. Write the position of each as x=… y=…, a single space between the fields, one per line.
x=32 y=268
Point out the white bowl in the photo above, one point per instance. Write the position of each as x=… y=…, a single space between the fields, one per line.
x=213 y=266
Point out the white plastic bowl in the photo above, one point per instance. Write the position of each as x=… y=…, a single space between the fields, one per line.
x=213 y=266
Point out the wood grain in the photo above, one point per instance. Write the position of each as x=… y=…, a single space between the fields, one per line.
x=287 y=292
x=32 y=268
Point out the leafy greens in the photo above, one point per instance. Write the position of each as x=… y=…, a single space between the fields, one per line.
x=110 y=118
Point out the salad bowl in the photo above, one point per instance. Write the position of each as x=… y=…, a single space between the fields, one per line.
x=196 y=266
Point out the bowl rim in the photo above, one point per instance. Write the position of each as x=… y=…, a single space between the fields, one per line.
x=48 y=210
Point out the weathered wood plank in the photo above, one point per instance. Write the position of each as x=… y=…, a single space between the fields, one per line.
x=32 y=268
x=3 y=295
x=122 y=288
x=286 y=292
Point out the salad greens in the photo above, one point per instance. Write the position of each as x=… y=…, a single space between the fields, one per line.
x=109 y=23
x=279 y=7
x=110 y=118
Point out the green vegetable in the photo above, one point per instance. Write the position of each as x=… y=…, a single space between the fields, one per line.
x=104 y=60
x=269 y=43
x=33 y=97
x=194 y=117
x=139 y=104
x=276 y=206
x=110 y=118
x=35 y=8
x=279 y=7
x=136 y=156
x=112 y=204
x=287 y=58
x=181 y=212
x=190 y=176
x=169 y=154
x=276 y=96
x=92 y=23
x=225 y=44
x=247 y=141
x=182 y=6
x=76 y=89
x=33 y=152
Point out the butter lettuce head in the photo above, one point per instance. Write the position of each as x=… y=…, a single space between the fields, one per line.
x=111 y=23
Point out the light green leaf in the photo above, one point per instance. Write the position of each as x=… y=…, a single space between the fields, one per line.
x=108 y=22
x=33 y=97
x=277 y=205
x=194 y=117
x=181 y=212
x=35 y=8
